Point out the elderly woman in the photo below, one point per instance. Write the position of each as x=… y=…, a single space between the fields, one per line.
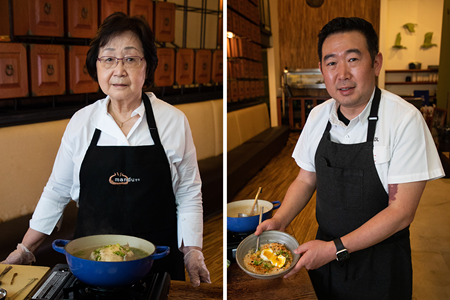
x=128 y=160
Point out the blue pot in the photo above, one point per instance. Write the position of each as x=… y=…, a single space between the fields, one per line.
x=248 y=224
x=109 y=274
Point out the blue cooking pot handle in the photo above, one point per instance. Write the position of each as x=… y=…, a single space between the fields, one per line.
x=276 y=202
x=58 y=245
x=161 y=251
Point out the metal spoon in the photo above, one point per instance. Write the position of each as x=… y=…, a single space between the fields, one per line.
x=2 y=294
x=241 y=215
x=260 y=217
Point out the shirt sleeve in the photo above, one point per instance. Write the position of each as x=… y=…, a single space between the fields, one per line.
x=56 y=194
x=414 y=155
x=188 y=195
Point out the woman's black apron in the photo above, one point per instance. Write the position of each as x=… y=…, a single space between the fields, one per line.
x=349 y=193
x=128 y=190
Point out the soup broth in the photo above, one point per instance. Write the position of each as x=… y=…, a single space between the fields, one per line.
x=86 y=253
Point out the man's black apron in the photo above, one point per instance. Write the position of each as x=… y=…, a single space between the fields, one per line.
x=349 y=193
x=128 y=190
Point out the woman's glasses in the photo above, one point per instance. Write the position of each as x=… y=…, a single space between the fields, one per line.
x=109 y=62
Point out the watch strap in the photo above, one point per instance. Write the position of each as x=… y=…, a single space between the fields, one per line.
x=339 y=245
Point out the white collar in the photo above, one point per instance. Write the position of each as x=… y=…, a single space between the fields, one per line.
x=362 y=117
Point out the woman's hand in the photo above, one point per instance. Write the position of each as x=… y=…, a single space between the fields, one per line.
x=20 y=256
x=194 y=262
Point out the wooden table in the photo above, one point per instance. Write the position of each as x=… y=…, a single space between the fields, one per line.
x=242 y=286
x=184 y=290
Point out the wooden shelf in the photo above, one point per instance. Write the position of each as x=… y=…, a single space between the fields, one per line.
x=410 y=83
x=413 y=71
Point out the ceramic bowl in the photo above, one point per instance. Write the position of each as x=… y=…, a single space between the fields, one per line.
x=271 y=236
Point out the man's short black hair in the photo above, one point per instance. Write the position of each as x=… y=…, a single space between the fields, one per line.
x=114 y=25
x=340 y=25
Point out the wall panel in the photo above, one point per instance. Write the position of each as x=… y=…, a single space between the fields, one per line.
x=299 y=25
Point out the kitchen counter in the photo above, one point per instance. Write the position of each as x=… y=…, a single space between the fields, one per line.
x=184 y=290
x=240 y=285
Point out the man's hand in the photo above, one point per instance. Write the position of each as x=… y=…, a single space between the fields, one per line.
x=194 y=262
x=314 y=254
x=20 y=256
x=269 y=224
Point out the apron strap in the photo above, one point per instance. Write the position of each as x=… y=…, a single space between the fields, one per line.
x=151 y=119
x=95 y=138
x=373 y=116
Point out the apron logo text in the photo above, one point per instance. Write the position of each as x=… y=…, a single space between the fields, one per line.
x=121 y=179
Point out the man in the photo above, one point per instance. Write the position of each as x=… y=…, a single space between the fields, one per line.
x=368 y=153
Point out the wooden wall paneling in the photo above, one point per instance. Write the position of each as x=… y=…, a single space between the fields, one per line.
x=253 y=89
x=234 y=91
x=164 y=21
x=184 y=70
x=229 y=20
x=241 y=90
x=107 y=7
x=81 y=18
x=251 y=69
x=236 y=19
x=217 y=66
x=142 y=8
x=301 y=24
x=4 y=18
x=243 y=28
x=79 y=81
x=248 y=91
x=165 y=72
x=13 y=71
x=47 y=70
x=36 y=17
x=203 y=63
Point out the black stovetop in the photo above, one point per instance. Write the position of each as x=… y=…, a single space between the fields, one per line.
x=61 y=284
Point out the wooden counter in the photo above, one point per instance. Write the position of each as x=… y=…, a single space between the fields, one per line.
x=242 y=286
x=185 y=291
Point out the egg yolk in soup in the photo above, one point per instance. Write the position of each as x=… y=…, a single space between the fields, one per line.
x=276 y=260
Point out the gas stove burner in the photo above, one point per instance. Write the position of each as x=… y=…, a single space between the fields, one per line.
x=233 y=241
x=234 y=236
x=79 y=290
x=61 y=284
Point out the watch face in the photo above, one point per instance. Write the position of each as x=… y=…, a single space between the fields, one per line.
x=342 y=255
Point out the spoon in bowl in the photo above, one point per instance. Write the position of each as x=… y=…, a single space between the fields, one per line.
x=255 y=202
x=260 y=217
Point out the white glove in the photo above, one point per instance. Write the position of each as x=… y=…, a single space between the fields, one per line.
x=20 y=256
x=196 y=268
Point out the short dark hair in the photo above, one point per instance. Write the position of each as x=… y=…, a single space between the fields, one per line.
x=114 y=25
x=340 y=25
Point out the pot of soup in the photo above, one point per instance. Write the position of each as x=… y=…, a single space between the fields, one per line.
x=109 y=260
x=248 y=224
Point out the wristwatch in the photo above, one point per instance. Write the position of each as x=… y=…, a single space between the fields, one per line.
x=341 y=252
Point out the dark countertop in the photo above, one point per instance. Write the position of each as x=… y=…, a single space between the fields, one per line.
x=185 y=291
x=242 y=286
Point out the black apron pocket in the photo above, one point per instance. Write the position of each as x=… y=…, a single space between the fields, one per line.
x=342 y=188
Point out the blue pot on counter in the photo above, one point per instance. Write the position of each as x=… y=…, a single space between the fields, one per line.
x=109 y=274
x=248 y=224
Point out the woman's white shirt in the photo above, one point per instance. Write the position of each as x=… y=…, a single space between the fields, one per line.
x=176 y=138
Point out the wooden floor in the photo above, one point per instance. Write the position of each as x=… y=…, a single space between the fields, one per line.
x=275 y=179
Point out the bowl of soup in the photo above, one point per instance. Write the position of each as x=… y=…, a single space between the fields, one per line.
x=82 y=256
x=264 y=264
x=248 y=224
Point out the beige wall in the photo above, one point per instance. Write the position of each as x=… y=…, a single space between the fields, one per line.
x=27 y=153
